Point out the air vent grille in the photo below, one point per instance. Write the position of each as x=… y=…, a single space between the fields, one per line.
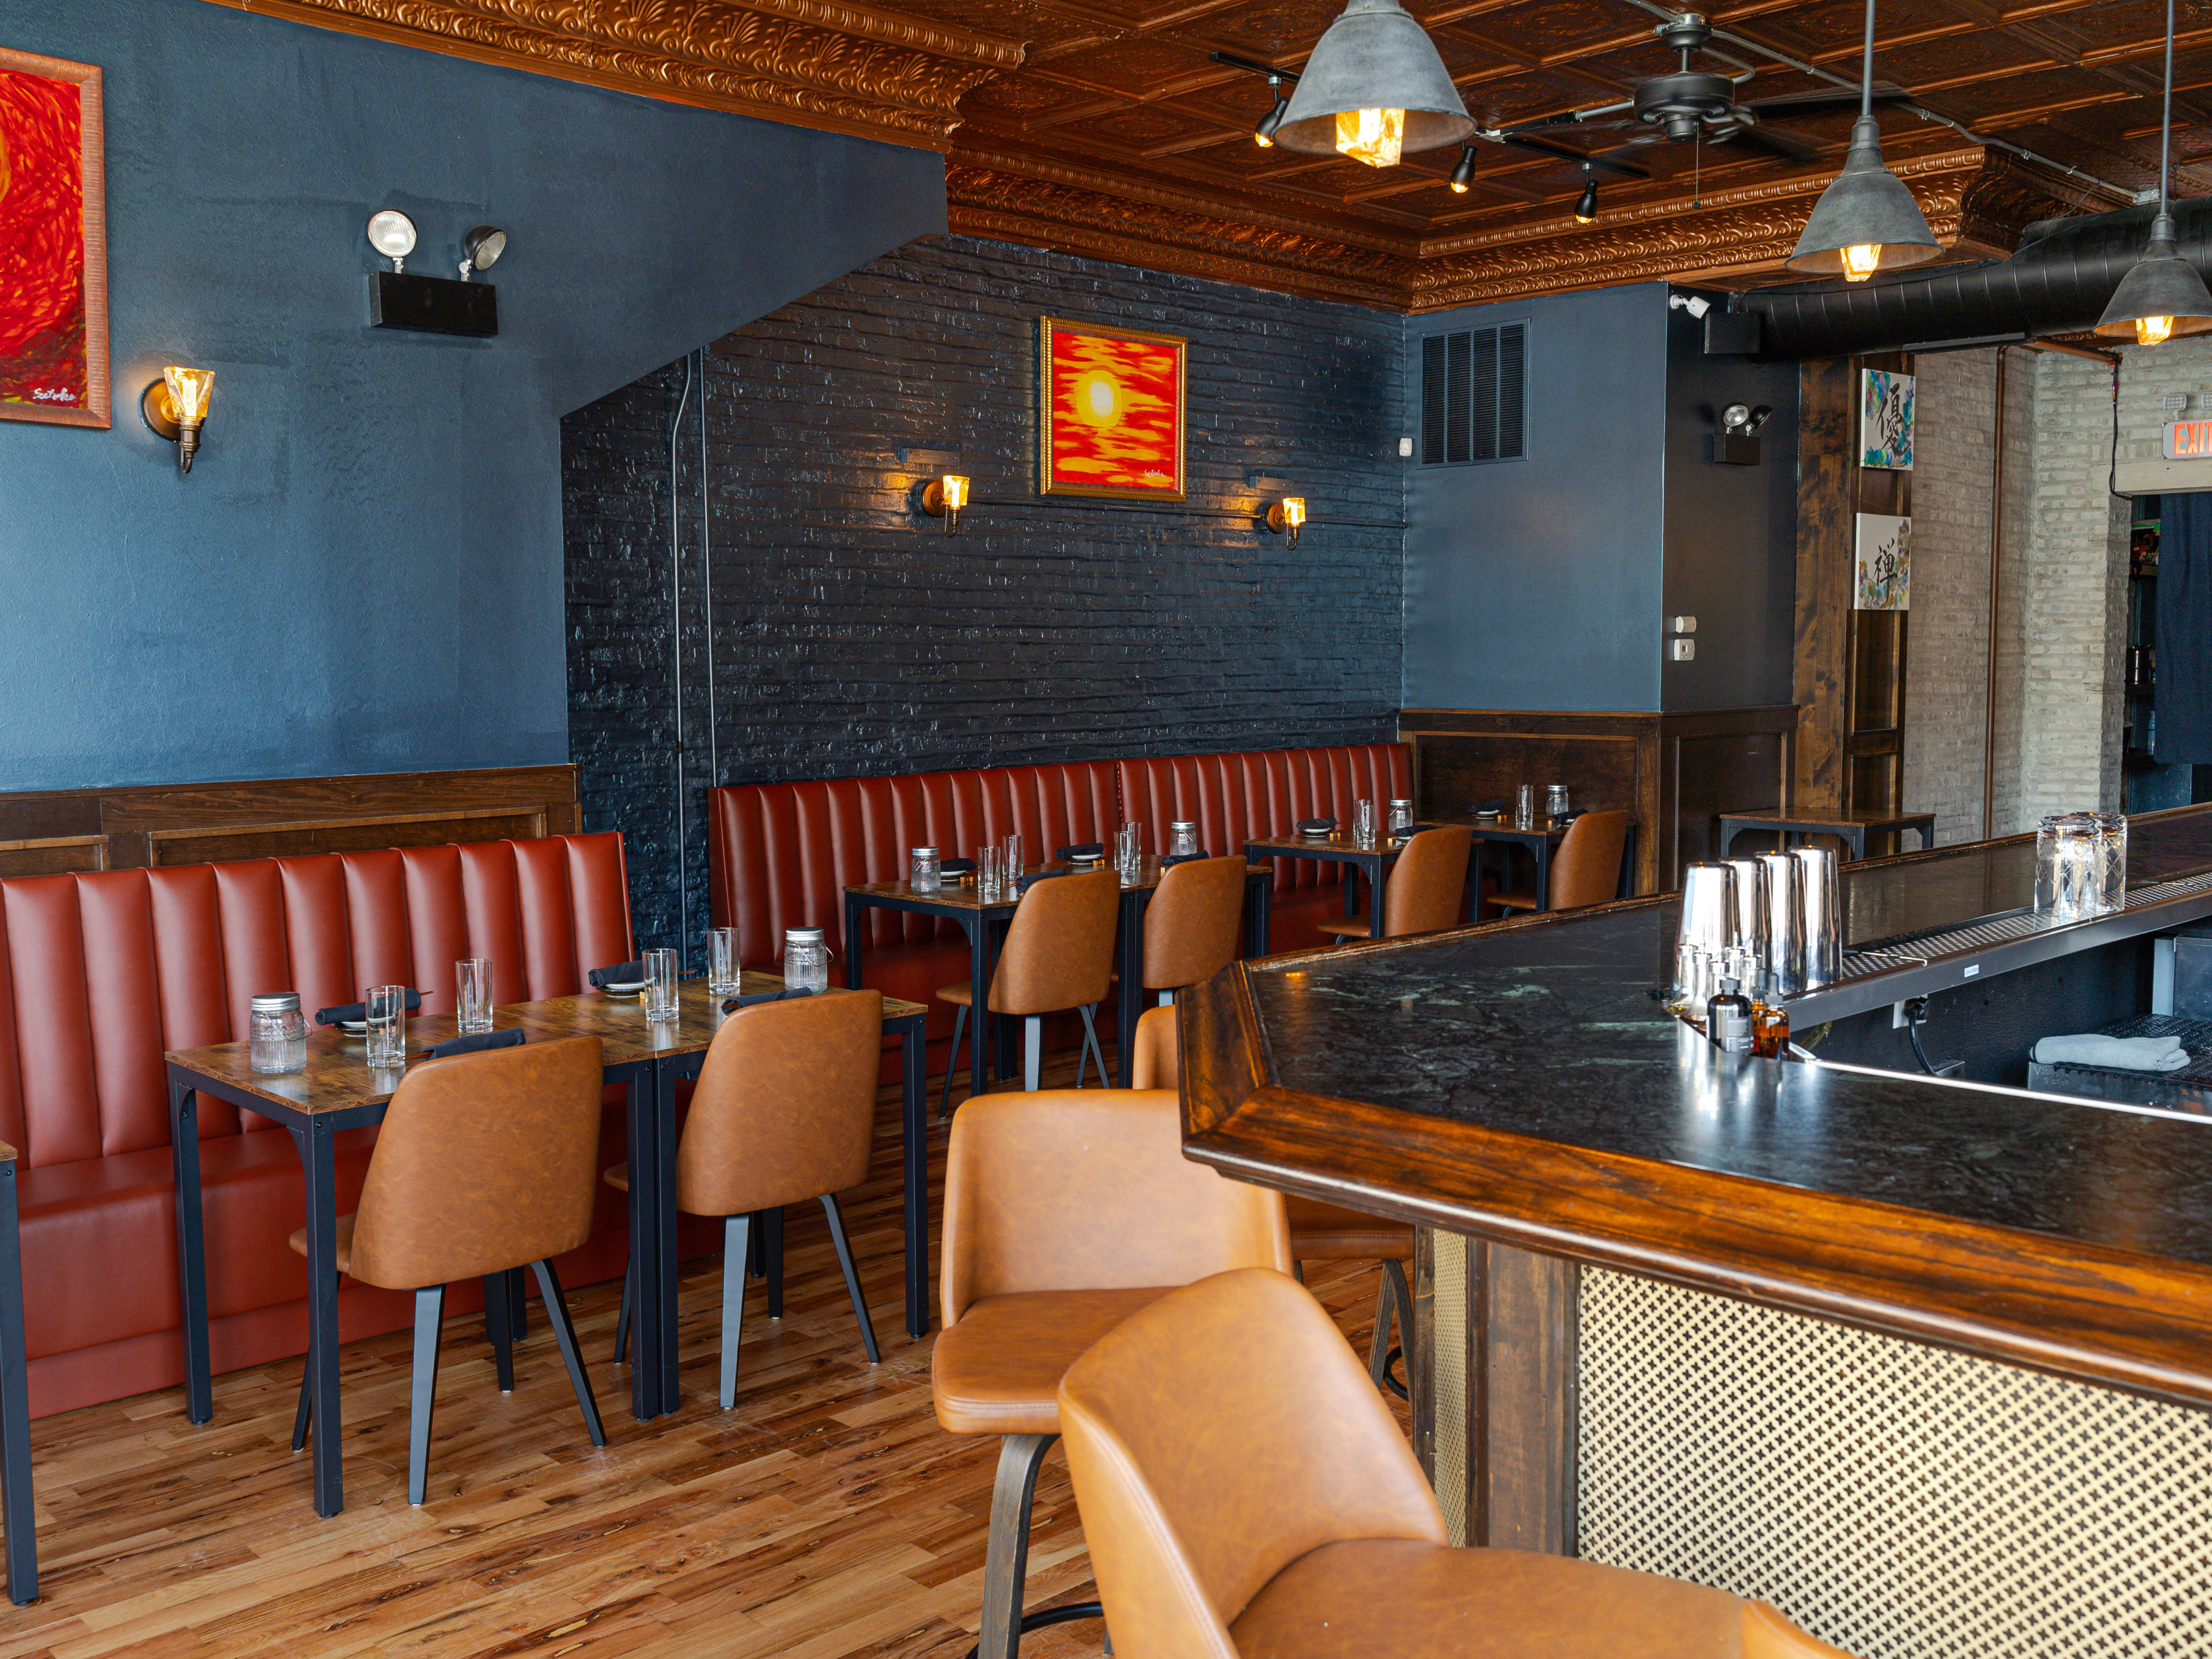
x=1475 y=386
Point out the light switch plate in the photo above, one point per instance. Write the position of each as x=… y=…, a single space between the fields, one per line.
x=1684 y=650
x=1404 y=447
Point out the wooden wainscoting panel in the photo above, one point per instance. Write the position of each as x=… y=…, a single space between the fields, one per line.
x=196 y=845
x=52 y=855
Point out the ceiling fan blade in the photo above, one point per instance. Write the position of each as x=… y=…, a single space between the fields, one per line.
x=1764 y=137
x=1561 y=153
x=1828 y=100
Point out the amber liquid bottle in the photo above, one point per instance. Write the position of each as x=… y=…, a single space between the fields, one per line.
x=1770 y=1024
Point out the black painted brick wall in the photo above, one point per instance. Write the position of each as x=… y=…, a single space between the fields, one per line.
x=852 y=637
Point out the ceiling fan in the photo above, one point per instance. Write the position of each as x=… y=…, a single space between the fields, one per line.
x=1688 y=104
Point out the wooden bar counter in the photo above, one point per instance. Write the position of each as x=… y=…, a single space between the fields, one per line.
x=1925 y=1362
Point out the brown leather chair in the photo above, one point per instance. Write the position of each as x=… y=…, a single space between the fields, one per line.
x=1064 y=1212
x=484 y=1163
x=784 y=1110
x=1192 y=923
x=1243 y=1493
x=1427 y=891
x=1058 y=954
x=1319 y=1231
x=1585 y=870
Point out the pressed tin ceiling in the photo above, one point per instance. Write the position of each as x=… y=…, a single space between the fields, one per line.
x=1105 y=127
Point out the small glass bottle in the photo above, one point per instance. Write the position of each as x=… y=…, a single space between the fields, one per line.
x=1728 y=1018
x=1770 y=1023
x=806 y=959
x=278 y=1034
x=922 y=872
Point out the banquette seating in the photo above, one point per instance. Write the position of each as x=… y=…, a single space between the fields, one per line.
x=782 y=854
x=100 y=973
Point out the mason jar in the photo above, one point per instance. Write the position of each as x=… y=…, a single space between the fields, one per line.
x=807 y=959
x=1182 y=838
x=921 y=870
x=277 y=1032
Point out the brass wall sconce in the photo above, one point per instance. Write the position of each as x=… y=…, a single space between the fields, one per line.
x=944 y=497
x=1286 y=517
x=175 y=407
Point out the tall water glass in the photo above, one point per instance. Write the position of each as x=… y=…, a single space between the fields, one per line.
x=1013 y=850
x=2068 y=865
x=2112 y=862
x=1524 y=807
x=989 y=862
x=472 y=994
x=1363 y=823
x=660 y=986
x=385 y=1007
x=722 y=970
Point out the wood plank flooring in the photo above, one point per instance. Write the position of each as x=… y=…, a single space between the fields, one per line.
x=826 y=1515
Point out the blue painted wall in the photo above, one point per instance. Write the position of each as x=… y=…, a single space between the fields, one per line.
x=1536 y=583
x=363 y=572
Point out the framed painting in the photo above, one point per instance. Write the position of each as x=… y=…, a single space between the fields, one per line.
x=1885 y=563
x=53 y=243
x=1110 y=411
x=1886 y=420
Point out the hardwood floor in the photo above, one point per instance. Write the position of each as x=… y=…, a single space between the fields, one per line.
x=826 y=1515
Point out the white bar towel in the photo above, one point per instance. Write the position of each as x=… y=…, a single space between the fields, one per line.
x=2143 y=1054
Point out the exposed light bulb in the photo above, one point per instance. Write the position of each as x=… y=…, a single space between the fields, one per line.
x=1860 y=260
x=1462 y=173
x=2154 y=331
x=1377 y=137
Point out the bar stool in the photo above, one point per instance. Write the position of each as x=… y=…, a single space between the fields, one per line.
x=1192 y=923
x=1243 y=1493
x=1427 y=892
x=1058 y=954
x=1064 y=1213
x=1319 y=1231
x=784 y=1110
x=484 y=1163
x=1585 y=870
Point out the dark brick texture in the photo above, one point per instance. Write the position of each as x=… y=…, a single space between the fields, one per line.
x=851 y=636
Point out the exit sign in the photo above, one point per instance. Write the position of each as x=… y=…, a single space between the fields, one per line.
x=2189 y=440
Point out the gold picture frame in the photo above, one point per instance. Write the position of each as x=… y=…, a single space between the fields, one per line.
x=50 y=376
x=1112 y=411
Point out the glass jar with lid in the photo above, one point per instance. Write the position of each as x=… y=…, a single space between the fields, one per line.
x=278 y=1034
x=922 y=870
x=806 y=959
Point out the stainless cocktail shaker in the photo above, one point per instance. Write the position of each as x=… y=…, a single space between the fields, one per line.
x=1751 y=907
x=1785 y=922
x=1819 y=883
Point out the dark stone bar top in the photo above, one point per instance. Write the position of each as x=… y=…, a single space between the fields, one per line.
x=1522 y=1082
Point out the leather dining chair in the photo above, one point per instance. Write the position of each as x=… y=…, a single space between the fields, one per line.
x=1058 y=954
x=784 y=1110
x=1585 y=870
x=1319 y=1231
x=1064 y=1212
x=485 y=1163
x=1243 y=1493
x=1427 y=891
x=1192 y=924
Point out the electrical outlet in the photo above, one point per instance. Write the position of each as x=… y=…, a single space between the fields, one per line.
x=1683 y=650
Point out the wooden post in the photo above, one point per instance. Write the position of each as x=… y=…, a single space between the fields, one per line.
x=1521 y=1338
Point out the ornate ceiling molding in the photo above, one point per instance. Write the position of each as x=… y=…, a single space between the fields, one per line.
x=843 y=68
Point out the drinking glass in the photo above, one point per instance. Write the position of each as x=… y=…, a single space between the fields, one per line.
x=1014 y=865
x=1363 y=821
x=660 y=986
x=722 y=970
x=2069 y=861
x=2112 y=862
x=989 y=862
x=472 y=999
x=922 y=872
x=385 y=1007
x=1524 y=807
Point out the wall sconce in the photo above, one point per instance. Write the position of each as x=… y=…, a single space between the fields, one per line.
x=1286 y=517
x=175 y=407
x=1733 y=445
x=944 y=497
x=481 y=249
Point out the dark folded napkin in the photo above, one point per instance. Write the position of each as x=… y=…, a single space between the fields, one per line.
x=952 y=867
x=752 y=999
x=1305 y=825
x=622 y=972
x=511 y=1038
x=1174 y=859
x=1036 y=876
x=1565 y=819
x=360 y=1010
x=1483 y=807
x=1082 y=849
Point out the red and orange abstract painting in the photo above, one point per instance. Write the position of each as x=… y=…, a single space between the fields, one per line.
x=53 y=263
x=1111 y=421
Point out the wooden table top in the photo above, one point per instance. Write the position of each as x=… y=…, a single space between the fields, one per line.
x=1339 y=845
x=337 y=1077
x=1819 y=820
x=964 y=895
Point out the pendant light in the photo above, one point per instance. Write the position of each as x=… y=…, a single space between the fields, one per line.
x=2162 y=295
x=1866 y=220
x=1374 y=90
x=1586 y=203
x=1462 y=173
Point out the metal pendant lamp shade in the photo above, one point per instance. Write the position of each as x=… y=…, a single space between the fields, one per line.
x=2162 y=296
x=1376 y=57
x=1866 y=206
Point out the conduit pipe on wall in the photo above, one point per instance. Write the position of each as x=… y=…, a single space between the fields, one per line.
x=2058 y=283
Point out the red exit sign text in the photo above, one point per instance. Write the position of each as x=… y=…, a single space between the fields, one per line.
x=2189 y=440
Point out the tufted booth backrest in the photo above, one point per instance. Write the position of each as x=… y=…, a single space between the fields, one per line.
x=782 y=854
x=100 y=974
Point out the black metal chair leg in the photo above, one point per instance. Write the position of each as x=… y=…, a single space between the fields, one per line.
x=305 y=1413
x=499 y=1316
x=622 y=1319
x=772 y=1255
x=429 y=1309
x=733 y=1302
x=556 y=1315
x=852 y=1279
x=518 y=1303
x=1396 y=1301
x=959 y=1024
x=1088 y=1010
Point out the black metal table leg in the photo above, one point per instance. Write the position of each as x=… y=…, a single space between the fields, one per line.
x=1378 y=878
x=191 y=1248
x=1129 y=953
x=978 y=929
x=1543 y=851
x=914 y=1144
x=1259 y=897
x=772 y=1257
x=16 y=1505
x=855 y=910
x=318 y=1163
x=644 y=1251
x=663 y=1221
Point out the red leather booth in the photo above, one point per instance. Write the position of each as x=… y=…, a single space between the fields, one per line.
x=100 y=974
x=782 y=854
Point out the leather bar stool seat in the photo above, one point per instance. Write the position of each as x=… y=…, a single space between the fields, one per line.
x=784 y=1110
x=1066 y=1211
x=1427 y=891
x=1245 y=1495
x=1586 y=869
x=1058 y=954
x=483 y=1164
